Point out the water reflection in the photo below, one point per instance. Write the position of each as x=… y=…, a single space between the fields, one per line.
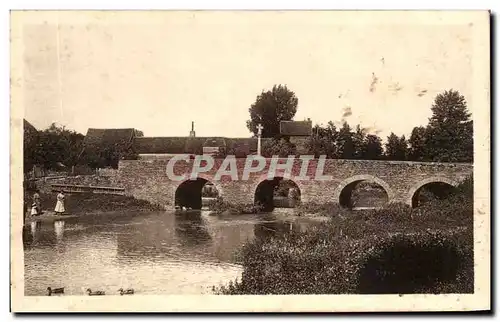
x=191 y=229
x=156 y=253
x=59 y=229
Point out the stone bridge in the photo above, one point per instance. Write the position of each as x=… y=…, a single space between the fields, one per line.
x=401 y=180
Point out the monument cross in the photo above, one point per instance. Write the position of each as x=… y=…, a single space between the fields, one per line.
x=259 y=134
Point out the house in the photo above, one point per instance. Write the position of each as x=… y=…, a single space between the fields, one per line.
x=298 y=132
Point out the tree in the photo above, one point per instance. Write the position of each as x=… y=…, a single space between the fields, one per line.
x=280 y=147
x=322 y=141
x=30 y=143
x=57 y=145
x=449 y=135
x=372 y=149
x=271 y=107
x=396 y=148
x=359 y=142
x=345 y=145
x=417 y=142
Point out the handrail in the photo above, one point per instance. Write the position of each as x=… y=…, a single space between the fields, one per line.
x=82 y=188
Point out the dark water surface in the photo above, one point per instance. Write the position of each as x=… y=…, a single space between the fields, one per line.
x=154 y=253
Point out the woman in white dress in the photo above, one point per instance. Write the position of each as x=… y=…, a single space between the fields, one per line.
x=60 y=203
x=34 y=209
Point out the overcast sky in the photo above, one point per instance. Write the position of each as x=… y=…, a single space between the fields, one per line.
x=158 y=74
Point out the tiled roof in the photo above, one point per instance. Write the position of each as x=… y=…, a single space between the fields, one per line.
x=296 y=128
x=159 y=145
x=180 y=145
x=100 y=137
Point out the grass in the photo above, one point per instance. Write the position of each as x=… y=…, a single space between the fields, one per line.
x=392 y=250
x=82 y=203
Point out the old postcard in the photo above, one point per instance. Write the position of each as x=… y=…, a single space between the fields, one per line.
x=286 y=161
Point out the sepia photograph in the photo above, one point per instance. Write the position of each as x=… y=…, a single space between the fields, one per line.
x=170 y=160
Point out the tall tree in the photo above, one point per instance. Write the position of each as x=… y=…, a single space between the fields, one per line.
x=396 y=148
x=372 y=149
x=345 y=144
x=359 y=142
x=417 y=142
x=322 y=141
x=450 y=131
x=271 y=107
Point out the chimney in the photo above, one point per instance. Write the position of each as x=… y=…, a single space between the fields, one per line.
x=192 y=133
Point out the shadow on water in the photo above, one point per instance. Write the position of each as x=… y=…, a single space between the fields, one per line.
x=191 y=229
x=271 y=227
x=174 y=251
x=38 y=233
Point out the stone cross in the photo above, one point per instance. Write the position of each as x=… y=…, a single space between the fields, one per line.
x=259 y=133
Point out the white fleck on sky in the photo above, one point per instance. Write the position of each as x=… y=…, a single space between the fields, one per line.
x=158 y=72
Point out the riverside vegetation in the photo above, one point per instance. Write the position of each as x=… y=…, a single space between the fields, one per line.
x=92 y=203
x=397 y=250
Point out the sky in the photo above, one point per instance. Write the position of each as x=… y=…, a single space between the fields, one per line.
x=157 y=73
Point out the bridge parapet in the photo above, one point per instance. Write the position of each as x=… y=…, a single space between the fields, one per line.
x=148 y=179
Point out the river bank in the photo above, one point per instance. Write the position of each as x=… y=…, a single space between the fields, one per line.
x=84 y=204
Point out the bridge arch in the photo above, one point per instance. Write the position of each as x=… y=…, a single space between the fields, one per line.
x=344 y=190
x=264 y=192
x=188 y=193
x=415 y=189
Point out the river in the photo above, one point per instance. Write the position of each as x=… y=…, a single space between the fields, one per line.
x=154 y=253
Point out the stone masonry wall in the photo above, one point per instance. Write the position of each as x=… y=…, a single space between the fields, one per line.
x=147 y=179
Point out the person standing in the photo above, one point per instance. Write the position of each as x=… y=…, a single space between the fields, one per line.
x=60 y=203
x=34 y=210
x=37 y=201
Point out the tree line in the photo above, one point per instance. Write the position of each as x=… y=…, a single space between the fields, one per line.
x=448 y=136
x=52 y=148
x=60 y=149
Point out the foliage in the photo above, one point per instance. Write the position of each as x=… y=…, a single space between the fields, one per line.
x=396 y=148
x=280 y=147
x=30 y=146
x=393 y=250
x=372 y=149
x=449 y=135
x=323 y=141
x=417 y=143
x=53 y=147
x=83 y=203
x=358 y=142
x=103 y=156
x=271 y=107
x=345 y=143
